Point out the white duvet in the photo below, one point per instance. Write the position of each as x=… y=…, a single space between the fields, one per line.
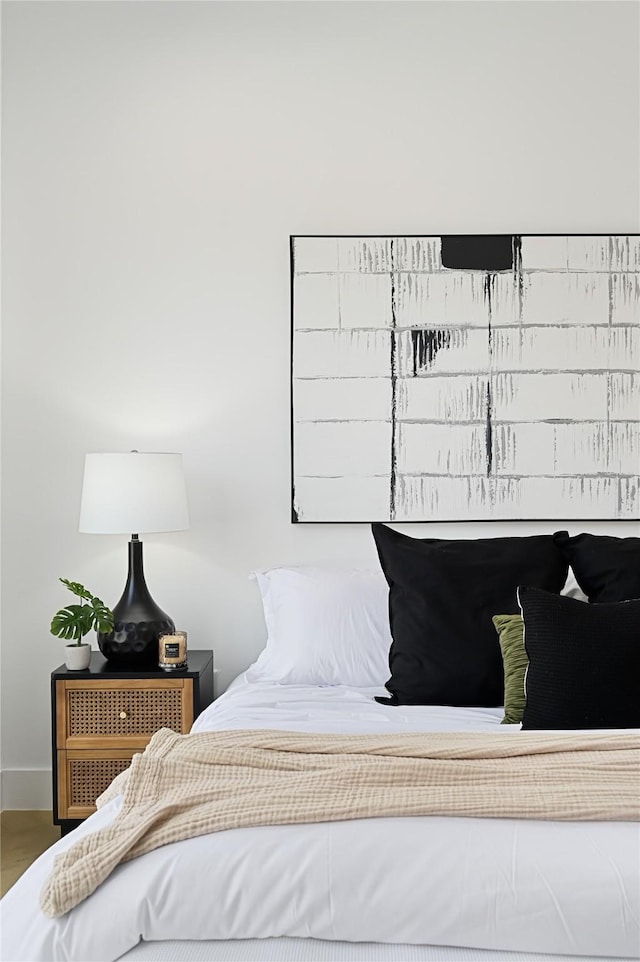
x=571 y=888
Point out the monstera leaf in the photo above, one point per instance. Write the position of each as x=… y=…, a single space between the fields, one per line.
x=77 y=589
x=102 y=616
x=72 y=622
x=75 y=621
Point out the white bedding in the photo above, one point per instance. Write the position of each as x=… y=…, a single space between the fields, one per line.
x=517 y=886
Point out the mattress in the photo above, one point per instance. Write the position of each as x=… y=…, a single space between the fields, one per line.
x=316 y=950
x=415 y=888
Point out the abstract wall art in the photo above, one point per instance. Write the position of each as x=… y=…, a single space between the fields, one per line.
x=465 y=378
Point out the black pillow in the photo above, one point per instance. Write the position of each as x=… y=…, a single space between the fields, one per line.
x=584 y=662
x=442 y=596
x=606 y=568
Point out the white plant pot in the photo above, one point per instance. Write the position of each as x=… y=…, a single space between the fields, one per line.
x=77 y=657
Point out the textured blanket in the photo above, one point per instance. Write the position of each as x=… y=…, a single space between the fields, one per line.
x=188 y=785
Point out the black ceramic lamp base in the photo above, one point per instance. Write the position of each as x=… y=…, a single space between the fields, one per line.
x=138 y=621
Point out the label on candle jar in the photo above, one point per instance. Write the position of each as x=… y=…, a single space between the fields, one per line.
x=172 y=652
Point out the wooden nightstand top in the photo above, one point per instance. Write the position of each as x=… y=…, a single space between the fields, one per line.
x=197 y=662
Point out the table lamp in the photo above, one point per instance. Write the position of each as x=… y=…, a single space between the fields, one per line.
x=121 y=494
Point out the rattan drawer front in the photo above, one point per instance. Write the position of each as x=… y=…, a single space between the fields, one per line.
x=127 y=713
x=115 y=712
x=89 y=777
x=83 y=776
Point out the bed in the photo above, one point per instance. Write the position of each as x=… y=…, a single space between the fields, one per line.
x=434 y=887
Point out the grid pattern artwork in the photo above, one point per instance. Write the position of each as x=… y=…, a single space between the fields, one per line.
x=466 y=377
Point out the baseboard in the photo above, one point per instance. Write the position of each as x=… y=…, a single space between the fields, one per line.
x=26 y=789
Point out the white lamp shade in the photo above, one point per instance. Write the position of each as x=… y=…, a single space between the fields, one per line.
x=132 y=493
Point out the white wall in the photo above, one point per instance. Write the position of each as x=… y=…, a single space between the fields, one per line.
x=156 y=156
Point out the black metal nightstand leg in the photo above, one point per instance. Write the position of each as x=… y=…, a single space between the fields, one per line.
x=68 y=824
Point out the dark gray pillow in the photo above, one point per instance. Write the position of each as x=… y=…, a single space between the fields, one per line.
x=584 y=662
x=442 y=596
x=606 y=568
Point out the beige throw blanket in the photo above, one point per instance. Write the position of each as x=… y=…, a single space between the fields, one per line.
x=188 y=785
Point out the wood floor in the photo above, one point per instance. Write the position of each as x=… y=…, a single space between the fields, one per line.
x=24 y=836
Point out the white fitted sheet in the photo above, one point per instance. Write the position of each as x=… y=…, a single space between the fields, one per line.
x=569 y=888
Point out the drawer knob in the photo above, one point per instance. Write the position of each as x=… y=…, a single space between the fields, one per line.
x=123 y=714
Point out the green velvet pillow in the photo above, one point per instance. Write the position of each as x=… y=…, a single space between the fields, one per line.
x=514 y=658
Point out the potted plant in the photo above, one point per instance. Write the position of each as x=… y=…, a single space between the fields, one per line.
x=75 y=621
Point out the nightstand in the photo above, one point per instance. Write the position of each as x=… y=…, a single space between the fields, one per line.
x=102 y=716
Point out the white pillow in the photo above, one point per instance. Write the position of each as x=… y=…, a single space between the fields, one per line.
x=325 y=626
x=572 y=589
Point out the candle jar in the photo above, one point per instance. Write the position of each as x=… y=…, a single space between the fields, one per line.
x=172 y=651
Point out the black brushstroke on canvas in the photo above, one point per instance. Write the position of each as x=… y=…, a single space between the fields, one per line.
x=489 y=431
x=488 y=284
x=425 y=344
x=394 y=392
x=477 y=252
x=517 y=272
